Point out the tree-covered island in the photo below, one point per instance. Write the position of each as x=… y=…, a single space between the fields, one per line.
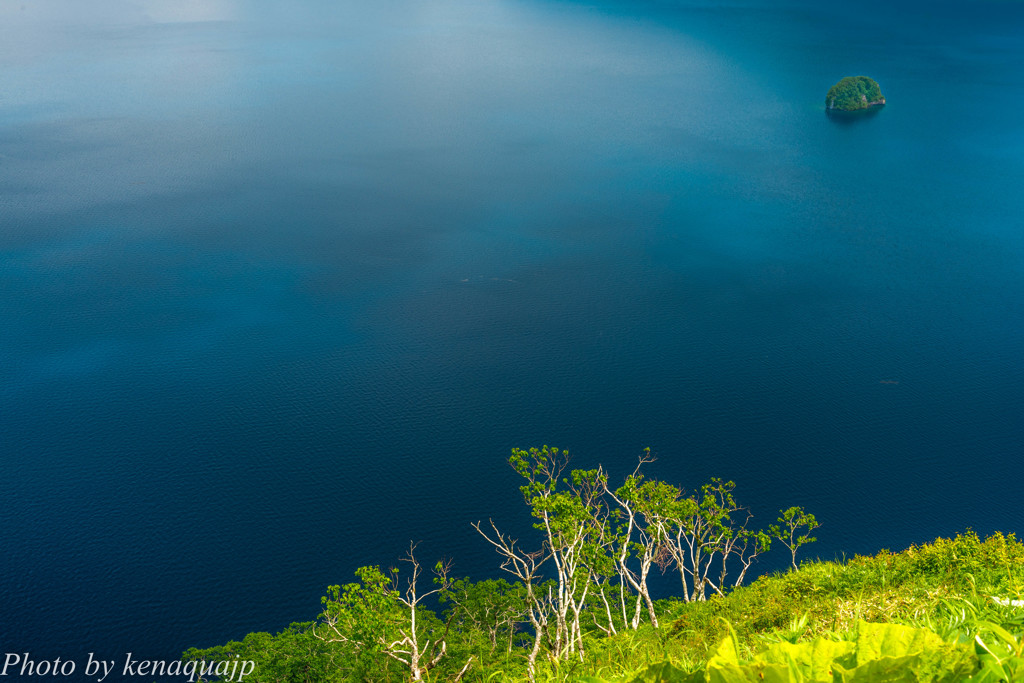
x=853 y=93
x=576 y=607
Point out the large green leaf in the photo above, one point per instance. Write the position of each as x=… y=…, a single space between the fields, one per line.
x=810 y=661
x=881 y=653
x=666 y=673
x=754 y=673
x=718 y=673
x=918 y=650
x=875 y=641
x=725 y=667
x=884 y=670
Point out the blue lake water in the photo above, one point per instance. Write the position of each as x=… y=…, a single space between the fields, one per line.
x=282 y=283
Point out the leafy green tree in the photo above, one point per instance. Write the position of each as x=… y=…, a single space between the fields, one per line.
x=708 y=532
x=745 y=546
x=564 y=510
x=794 y=529
x=572 y=514
x=372 y=618
x=643 y=505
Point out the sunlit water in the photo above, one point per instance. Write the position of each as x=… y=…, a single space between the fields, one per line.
x=280 y=286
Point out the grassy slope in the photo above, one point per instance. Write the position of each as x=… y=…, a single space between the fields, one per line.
x=945 y=587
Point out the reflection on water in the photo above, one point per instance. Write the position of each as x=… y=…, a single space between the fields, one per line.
x=849 y=118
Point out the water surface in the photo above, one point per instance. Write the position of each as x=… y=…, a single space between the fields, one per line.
x=280 y=287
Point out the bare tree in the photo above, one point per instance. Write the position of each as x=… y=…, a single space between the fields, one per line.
x=644 y=504
x=525 y=566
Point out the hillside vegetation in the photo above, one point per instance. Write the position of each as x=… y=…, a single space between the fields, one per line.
x=577 y=607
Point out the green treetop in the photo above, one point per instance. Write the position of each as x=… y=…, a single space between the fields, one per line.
x=853 y=93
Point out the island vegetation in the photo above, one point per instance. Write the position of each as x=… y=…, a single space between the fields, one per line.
x=853 y=93
x=576 y=605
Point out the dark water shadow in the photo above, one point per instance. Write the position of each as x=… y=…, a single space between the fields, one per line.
x=849 y=118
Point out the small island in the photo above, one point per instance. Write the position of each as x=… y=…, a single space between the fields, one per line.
x=853 y=93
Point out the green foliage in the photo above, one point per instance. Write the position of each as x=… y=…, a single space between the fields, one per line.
x=937 y=612
x=922 y=586
x=926 y=613
x=879 y=652
x=357 y=612
x=379 y=626
x=853 y=93
x=794 y=529
x=294 y=655
x=487 y=615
